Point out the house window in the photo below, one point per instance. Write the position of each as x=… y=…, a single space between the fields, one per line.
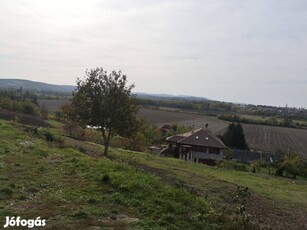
x=200 y=149
x=214 y=150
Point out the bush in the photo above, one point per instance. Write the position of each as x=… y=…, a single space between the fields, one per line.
x=1 y=166
x=73 y=130
x=25 y=106
x=50 y=137
x=28 y=108
x=240 y=167
x=233 y=165
x=6 y=192
x=106 y=179
x=290 y=164
x=228 y=154
x=4 y=150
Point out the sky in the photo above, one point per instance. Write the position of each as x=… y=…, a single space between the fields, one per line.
x=243 y=51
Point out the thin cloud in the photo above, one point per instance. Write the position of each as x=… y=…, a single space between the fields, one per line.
x=241 y=51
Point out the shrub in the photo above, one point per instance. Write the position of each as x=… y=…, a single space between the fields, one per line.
x=73 y=130
x=233 y=165
x=4 y=150
x=6 y=191
x=228 y=154
x=106 y=179
x=49 y=136
x=290 y=164
x=240 y=167
x=80 y=215
x=1 y=166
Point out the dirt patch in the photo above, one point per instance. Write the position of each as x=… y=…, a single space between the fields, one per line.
x=23 y=118
x=270 y=214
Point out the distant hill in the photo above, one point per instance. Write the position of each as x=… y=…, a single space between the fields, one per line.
x=34 y=85
x=41 y=86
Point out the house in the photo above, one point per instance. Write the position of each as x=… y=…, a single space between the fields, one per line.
x=198 y=146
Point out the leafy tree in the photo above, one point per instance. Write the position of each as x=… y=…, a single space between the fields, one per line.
x=25 y=106
x=287 y=122
x=66 y=111
x=6 y=103
x=291 y=163
x=70 y=127
x=234 y=137
x=29 y=108
x=44 y=112
x=105 y=101
x=228 y=154
x=258 y=164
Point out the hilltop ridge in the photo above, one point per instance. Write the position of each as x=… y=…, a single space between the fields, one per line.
x=34 y=85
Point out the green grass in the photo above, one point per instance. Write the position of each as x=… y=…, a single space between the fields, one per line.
x=282 y=189
x=54 y=123
x=74 y=191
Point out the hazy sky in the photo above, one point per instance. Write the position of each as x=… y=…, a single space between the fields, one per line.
x=231 y=50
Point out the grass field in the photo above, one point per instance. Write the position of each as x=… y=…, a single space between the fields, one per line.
x=73 y=190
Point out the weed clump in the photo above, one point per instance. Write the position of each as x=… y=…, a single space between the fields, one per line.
x=106 y=179
x=4 y=150
x=92 y=201
x=12 y=185
x=1 y=166
x=240 y=199
x=240 y=167
x=8 y=192
x=80 y=215
x=22 y=197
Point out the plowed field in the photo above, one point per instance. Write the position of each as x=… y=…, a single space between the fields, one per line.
x=260 y=137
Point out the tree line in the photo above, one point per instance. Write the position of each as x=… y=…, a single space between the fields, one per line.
x=271 y=121
x=200 y=106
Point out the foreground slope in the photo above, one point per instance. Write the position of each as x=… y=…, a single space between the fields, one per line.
x=73 y=190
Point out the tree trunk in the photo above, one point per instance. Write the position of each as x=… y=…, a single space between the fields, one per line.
x=106 y=140
x=106 y=148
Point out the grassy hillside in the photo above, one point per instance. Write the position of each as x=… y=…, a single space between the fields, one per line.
x=74 y=190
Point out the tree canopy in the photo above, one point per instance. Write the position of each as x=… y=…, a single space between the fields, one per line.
x=234 y=137
x=105 y=101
